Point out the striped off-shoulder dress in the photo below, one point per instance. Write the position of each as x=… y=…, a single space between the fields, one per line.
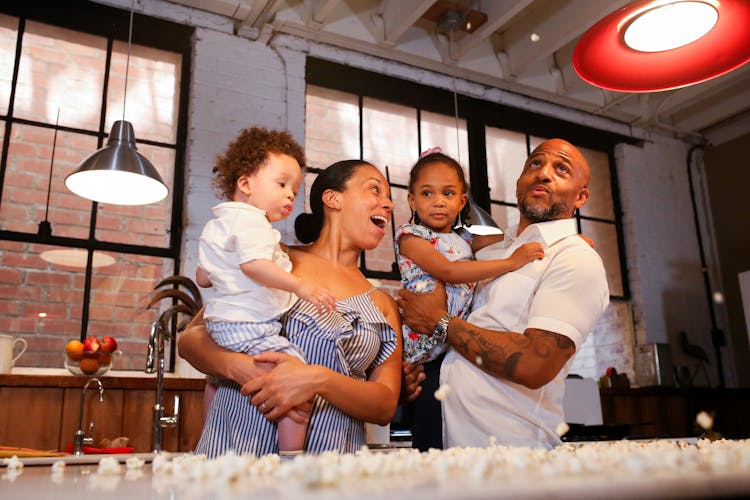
x=350 y=340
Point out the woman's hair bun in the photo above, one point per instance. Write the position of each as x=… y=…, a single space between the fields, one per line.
x=307 y=227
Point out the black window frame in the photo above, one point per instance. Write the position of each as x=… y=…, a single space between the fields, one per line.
x=113 y=24
x=478 y=115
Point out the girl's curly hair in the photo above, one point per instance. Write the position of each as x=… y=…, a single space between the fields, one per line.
x=248 y=153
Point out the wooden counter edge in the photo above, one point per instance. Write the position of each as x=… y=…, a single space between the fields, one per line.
x=170 y=383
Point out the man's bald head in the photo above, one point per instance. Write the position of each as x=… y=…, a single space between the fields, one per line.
x=553 y=184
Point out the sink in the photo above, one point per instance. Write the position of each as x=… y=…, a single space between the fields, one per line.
x=93 y=458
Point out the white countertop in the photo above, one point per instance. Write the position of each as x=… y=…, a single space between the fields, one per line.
x=417 y=476
x=82 y=482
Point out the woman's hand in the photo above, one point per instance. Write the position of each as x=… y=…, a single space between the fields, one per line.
x=412 y=376
x=288 y=388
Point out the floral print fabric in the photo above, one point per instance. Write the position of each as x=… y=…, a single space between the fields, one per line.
x=454 y=246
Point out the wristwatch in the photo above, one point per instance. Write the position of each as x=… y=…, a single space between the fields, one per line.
x=440 y=331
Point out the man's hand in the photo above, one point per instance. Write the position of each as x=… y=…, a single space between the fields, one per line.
x=412 y=376
x=422 y=311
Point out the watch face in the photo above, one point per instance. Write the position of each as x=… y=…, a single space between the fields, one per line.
x=440 y=332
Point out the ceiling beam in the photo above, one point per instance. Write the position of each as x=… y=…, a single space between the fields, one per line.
x=557 y=23
x=236 y=9
x=705 y=90
x=499 y=13
x=399 y=16
x=703 y=115
x=728 y=130
x=321 y=10
x=259 y=15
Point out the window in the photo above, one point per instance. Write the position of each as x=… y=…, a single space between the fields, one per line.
x=62 y=85
x=352 y=113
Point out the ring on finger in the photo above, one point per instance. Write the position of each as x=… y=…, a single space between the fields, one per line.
x=263 y=407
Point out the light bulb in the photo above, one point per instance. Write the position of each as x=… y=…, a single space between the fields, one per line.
x=670 y=26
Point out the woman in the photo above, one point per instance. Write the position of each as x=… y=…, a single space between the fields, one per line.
x=354 y=353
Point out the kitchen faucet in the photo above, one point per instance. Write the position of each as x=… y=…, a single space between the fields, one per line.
x=155 y=359
x=79 y=438
x=166 y=325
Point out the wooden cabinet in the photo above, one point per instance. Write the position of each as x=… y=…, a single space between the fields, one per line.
x=42 y=412
x=670 y=412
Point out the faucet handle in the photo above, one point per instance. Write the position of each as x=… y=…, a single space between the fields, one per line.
x=175 y=418
x=89 y=440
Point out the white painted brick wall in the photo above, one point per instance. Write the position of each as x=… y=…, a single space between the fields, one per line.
x=662 y=246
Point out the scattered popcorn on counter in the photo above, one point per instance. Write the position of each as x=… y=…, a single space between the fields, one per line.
x=134 y=463
x=486 y=469
x=478 y=361
x=13 y=463
x=58 y=466
x=562 y=429
x=442 y=392
x=133 y=474
x=11 y=474
x=705 y=420
x=108 y=466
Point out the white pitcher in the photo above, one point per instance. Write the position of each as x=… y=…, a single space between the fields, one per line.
x=7 y=345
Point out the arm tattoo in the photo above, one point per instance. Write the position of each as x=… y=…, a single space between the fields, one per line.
x=500 y=355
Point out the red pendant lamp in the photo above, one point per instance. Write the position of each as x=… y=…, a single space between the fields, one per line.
x=611 y=54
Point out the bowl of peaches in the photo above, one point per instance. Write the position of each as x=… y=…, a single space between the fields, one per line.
x=92 y=357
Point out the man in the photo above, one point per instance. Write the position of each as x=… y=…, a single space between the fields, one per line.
x=508 y=361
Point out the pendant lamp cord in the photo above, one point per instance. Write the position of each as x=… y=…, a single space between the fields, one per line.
x=455 y=95
x=127 y=61
x=51 y=162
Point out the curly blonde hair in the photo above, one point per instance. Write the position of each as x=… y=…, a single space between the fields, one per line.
x=248 y=153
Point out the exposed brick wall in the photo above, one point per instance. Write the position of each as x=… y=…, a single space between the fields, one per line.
x=42 y=301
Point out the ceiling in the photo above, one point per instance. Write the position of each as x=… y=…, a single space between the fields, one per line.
x=524 y=46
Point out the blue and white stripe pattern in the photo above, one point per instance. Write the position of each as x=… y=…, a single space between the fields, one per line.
x=252 y=337
x=351 y=340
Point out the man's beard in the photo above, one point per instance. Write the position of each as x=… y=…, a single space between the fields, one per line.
x=543 y=214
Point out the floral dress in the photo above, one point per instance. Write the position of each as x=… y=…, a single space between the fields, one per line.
x=454 y=246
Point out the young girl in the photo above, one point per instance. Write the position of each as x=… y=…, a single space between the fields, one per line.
x=431 y=249
x=241 y=258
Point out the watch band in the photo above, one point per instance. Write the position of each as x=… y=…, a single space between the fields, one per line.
x=440 y=331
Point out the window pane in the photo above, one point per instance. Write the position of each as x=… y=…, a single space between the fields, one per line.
x=39 y=301
x=119 y=295
x=505 y=216
x=383 y=257
x=308 y=182
x=506 y=154
x=27 y=177
x=401 y=210
x=605 y=239
x=599 y=203
x=535 y=141
x=141 y=224
x=153 y=91
x=332 y=126
x=389 y=132
x=8 y=37
x=60 y=69
x=440 y=130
